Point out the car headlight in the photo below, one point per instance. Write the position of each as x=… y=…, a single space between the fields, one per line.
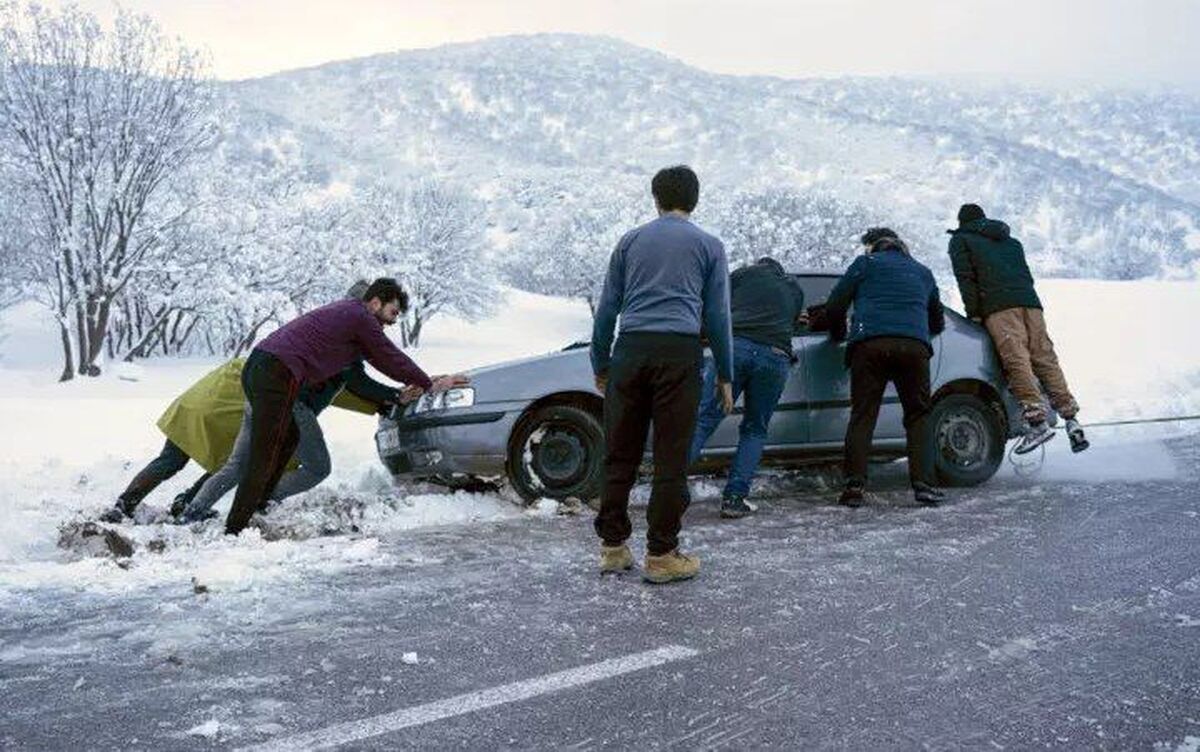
x=457 y=397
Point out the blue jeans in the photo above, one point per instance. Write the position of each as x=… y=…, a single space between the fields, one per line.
x=759 y=373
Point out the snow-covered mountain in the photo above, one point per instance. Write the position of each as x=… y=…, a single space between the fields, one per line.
x=1097 y=183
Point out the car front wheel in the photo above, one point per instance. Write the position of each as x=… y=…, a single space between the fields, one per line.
x=968 y=440
x=556 y=452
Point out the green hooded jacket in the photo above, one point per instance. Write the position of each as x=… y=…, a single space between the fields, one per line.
x=991 y=270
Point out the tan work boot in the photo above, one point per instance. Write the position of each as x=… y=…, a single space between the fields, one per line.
x=615 y=558
x=669 y=567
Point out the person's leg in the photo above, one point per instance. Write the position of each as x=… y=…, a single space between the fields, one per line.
x=311 y=451
x=676 y=392
x=225 y=478
x=709 y=415
x=766 y=373
x=271 y=391
x=168 y=462
x=867 y=382
x=626 y=423
x=910 y=373
x=1009 y=335
x=1045 y=364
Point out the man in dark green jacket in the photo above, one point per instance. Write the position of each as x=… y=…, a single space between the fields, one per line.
x=997 y=291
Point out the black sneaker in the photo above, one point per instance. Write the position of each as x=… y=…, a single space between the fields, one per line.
x=1079 y=442
x=178 y=505
x=118 y=512
x=734 y=507
x=852 y=496
x=927 y=494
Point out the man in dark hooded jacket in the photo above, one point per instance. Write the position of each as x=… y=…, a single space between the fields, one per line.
x=997 y=291
x=897 y=311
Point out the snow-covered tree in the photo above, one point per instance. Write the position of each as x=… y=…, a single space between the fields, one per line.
x=566 y=251
x=430 y=237
x=801 y=229
x=100 y=120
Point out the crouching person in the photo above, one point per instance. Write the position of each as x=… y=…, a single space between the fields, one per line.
x=310 y=464
x=997 y=290
x=306 y=352
x=896 y=312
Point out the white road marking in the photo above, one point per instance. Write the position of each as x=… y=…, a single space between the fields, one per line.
x=352 y=731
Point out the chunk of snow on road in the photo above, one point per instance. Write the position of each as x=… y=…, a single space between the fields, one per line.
x=209 y=729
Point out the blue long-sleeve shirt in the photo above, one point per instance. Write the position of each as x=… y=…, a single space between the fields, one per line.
x=666 y=276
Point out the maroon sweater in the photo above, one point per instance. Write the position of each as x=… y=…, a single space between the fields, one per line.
x=322 y=342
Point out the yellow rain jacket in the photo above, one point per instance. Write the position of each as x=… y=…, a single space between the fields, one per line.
x=204 y=420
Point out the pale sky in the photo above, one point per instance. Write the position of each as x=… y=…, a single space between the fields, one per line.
x=1118 y=42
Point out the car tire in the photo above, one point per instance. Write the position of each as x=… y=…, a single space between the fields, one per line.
x=556 y=452
x=967 y=439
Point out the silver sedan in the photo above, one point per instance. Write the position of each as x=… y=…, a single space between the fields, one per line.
x=537 y=423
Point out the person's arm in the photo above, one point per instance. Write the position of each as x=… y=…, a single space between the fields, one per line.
x=842 y=297
x=937 y=317
x=964 y=272
x=717 y=319
x=604 y=325
x=381 y=353
x=360 y=384
x=801 y=312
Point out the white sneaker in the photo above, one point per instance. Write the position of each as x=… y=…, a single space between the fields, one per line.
x=1036 y=435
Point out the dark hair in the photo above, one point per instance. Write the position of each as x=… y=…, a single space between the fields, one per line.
x=773 y=263
x=970 y=213
x=387 y=290
x=876 y=234
x=676 y=188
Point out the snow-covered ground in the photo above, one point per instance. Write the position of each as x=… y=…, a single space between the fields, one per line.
x=1128 y=348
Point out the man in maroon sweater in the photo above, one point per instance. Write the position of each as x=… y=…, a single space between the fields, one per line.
x=309 y=350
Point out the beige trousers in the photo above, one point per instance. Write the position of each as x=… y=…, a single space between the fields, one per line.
x=1027 y=356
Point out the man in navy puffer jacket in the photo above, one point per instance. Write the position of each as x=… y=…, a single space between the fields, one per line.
x=896 y=313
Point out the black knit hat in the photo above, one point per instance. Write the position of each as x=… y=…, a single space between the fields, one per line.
x=970 y=213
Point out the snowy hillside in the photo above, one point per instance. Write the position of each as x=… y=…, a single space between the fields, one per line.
x=1097 y=183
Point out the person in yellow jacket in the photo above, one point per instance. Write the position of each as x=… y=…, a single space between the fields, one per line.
x=203 y=422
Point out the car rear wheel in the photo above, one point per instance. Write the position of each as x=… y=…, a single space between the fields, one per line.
x=967 y=438
x=556 y=452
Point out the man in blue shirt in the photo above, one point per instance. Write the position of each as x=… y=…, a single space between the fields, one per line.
x=666 y=280
x=896 y=312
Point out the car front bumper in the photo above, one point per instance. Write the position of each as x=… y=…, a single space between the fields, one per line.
x=448 y=443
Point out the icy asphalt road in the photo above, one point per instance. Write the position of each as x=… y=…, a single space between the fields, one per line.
x=1023 y=614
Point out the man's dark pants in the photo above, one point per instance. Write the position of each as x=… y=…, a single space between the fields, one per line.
x=271 y=390
x=653 y=377
x=873 y=363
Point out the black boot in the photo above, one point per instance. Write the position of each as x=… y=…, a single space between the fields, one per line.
x=119 y=512
x=927 y=494
x=852 y=496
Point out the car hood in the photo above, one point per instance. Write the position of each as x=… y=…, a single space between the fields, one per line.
x=533 y=377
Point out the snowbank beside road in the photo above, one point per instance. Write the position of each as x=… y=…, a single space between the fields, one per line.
x=67 y=449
